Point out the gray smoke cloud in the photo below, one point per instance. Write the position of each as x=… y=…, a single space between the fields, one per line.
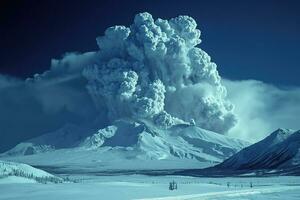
x=153 y=69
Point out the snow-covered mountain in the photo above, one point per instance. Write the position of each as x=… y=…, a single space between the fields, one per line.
x=182 y=141
x=23 y=171
x=281 y=149
x=126 y=141
x=68 y=136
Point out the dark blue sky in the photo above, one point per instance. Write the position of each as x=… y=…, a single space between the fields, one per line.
x=247 y=39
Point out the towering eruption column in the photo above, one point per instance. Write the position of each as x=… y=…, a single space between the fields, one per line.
x=153 y=70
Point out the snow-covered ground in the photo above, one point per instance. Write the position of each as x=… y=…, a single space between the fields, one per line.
x=11 y=168
x=156 y=187
x=11 y=172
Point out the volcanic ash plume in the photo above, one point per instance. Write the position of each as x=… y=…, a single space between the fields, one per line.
x=153 y=70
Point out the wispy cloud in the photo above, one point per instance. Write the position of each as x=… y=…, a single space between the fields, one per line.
x=262 y=108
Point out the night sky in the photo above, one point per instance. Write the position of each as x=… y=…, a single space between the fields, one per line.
x=247 y=39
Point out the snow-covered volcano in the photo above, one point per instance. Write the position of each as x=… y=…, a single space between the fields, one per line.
x=128 y=141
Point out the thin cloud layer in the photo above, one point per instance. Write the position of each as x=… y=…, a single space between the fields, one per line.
x=45 y=102
x=262 y=108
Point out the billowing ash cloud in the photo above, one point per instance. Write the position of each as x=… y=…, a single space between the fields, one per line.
x=153 y=70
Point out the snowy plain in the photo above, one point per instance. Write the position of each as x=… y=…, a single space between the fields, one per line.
x=125 y=187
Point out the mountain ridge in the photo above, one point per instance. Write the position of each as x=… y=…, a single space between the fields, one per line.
x=130 y=140
x=277 y=154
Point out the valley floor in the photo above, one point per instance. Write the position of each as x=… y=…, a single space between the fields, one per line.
x=125 y=187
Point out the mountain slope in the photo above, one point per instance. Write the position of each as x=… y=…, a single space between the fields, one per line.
x=277 y=154
x=126 y=142
x=278 y=150
x=68 y=136
x=24 y=171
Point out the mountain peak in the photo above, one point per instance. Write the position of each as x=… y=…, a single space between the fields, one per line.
x=279 y=135
x=279 y=149
x=283 y=131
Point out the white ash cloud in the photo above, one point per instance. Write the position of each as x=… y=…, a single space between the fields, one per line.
x=155 y=68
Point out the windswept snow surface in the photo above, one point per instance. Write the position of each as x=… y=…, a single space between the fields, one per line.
x=156 y=187
x=128 y=144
